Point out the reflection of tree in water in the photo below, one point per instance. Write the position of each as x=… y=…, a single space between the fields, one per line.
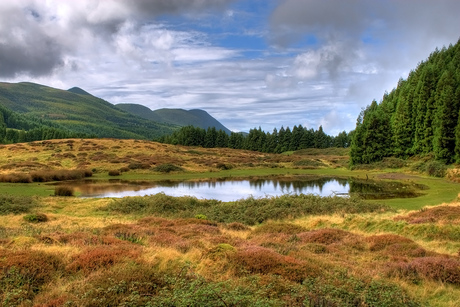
x=298 y=186
x=370 y=189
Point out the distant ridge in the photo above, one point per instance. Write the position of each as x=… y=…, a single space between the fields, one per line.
x=180 y=117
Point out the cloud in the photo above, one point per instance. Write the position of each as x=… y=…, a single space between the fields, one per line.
x=37 y=37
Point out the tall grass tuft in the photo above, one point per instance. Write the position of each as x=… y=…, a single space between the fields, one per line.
x=63 y=191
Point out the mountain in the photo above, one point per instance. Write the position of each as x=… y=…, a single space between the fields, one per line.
x=419 y=117
x=179 y=117
x=77 y=111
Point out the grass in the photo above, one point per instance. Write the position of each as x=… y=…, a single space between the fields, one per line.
x=182 y=251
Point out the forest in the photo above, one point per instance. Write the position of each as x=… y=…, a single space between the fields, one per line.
x=278 y=141
x=420 y=117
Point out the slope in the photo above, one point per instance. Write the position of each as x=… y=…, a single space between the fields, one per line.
x=78 y=111
x=179 y=117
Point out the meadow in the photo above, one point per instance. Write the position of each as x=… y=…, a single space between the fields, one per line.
x=158 y=250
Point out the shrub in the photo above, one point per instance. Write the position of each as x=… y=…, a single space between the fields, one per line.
x=36 y=218
x=10 y=204
x=114 y=173
x=436 y=169
x=167 y=168
x=63 y=191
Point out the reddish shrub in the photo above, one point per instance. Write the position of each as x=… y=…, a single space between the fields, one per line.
x=435 y=268
x=260 y=260
x=380 y=242
x=102 y=257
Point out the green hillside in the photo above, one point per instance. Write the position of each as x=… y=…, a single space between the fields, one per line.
x=419 y=117
x=180 y=117
x=77 y=111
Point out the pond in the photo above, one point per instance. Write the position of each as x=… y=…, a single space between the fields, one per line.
x=231 y=190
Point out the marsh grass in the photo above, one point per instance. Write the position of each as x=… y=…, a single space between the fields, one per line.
x=249 y=211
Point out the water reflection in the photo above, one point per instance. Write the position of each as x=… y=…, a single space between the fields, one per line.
x=225 y=190
x=230 y=190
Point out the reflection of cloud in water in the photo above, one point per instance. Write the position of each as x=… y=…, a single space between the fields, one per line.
x=222 y=190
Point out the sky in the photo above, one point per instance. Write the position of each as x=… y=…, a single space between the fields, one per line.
x=248 y=63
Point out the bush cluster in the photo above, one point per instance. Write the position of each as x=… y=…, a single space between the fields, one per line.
x=431 y=168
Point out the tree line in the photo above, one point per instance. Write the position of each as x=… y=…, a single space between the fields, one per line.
x=419 y=117
x=278 y=141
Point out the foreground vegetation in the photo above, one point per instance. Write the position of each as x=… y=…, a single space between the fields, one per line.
x=181 y=251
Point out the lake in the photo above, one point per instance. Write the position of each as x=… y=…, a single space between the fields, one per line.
x=225 y=190
x=231 y=190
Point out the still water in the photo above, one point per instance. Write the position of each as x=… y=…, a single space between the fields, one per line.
x=228 y=190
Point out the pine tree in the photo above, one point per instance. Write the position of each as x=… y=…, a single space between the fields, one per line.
x=446 y=118
x=402 y=127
